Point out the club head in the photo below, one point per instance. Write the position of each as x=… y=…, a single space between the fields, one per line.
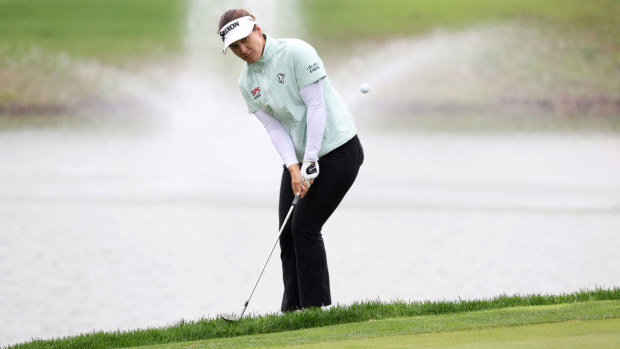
x=229 y=317
x=232 y=317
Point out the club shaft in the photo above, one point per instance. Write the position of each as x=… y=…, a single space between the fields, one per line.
x=288 y=215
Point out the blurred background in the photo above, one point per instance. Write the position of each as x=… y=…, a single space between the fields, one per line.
x=136 y=191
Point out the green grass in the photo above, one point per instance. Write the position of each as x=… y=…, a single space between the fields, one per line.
x=559 y=325
x=351 y=19
x=48 y=48
x=116 y=29
x=360 y=312
x=534 y=58
x=104 y=29
x=572 y=51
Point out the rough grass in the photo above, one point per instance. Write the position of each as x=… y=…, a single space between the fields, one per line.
x=359 y=312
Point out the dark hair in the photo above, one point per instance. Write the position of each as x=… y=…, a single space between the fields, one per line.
x=233 y=14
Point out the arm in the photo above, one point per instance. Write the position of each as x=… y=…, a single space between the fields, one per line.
x=284 y=145
x=309 y=74
x=279 y=137
x=312 y=95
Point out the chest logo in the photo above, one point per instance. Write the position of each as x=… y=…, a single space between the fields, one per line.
x=281 y=78
x=256 y=93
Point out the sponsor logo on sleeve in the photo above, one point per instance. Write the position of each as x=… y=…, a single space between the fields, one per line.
x=313 y=67
x=256 y=93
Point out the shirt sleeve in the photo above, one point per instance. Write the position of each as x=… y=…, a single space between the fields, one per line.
x=312 y=95
x=279 y=137
x=308 y=65
x=248 y=100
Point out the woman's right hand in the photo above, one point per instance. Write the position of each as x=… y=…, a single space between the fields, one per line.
x=299 y=187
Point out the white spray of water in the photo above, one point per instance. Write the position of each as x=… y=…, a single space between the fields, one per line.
x=201 y=135
x=197 y=105
x=438 y=68
x=205 y=110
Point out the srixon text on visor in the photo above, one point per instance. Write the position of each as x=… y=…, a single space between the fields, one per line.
x=228 y=29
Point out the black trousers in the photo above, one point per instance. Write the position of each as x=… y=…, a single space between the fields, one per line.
x=304 y=262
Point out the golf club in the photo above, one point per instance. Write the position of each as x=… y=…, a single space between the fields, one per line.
x=232 y=317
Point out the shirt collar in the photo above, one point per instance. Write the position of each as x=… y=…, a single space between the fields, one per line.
x=268 y=51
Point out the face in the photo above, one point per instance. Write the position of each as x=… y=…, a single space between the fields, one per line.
x=250 y=48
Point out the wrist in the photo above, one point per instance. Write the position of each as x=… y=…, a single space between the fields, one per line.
x=290 y=160
x=310 y=169
x=310 y=158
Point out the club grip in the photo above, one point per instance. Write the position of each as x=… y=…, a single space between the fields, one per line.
x=295 y=201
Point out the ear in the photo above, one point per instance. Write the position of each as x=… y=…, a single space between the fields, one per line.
x=259 y=30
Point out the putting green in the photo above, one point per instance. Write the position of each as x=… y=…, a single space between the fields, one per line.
x=575 y=334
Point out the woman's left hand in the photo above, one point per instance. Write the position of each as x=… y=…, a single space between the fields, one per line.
x=309 y=171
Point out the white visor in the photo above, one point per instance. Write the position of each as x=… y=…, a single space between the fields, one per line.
x=236 y=30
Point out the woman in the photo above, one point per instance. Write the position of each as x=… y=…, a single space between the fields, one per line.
x=285 y=86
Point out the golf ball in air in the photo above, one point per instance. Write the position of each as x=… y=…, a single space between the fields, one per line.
x=364 y=88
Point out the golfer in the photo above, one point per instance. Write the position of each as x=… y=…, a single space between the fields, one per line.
x=285 y=86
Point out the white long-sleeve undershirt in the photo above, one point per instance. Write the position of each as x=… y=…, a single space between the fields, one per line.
x=312 y=95
x=279 y=137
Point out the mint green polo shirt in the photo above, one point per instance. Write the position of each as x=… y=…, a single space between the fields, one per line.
x=272 y=85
